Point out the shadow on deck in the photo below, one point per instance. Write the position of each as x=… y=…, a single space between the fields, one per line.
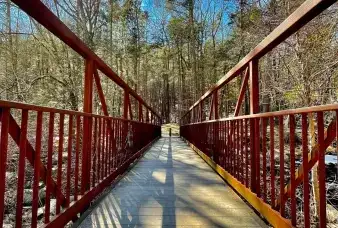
x=171 y=186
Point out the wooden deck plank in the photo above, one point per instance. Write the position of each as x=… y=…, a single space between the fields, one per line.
x=171 y=186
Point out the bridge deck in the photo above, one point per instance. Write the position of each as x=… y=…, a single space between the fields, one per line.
x=171 y=186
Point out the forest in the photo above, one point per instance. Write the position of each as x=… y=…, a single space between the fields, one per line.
x=170 y=52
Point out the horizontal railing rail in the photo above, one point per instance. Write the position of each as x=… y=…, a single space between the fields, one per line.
x=264 y=154
x=319 y=108
x=65 y=171
x=25 y=106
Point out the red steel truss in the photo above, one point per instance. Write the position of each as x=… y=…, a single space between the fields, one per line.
x=237 y=147
x=99 y=147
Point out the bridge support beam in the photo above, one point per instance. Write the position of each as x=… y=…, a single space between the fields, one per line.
x=254 y=125
x=87 y=126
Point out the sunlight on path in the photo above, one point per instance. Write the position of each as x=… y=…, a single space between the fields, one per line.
x=171 y=186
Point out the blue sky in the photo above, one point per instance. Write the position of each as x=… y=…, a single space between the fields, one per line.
x=148 y=5
x=230 y=7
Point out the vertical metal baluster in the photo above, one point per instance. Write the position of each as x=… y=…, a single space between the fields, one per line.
x=22 y=168
x=272 y=161
x=77 y=151
x=264 y=157
x=59 y=168
x=321 y=170
x=49 y=166
x=293 y=170
x=35 y=202
x=69 y=158
x=281 y=160
x=306 y=193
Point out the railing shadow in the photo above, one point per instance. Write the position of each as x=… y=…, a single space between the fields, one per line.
x=169 y=192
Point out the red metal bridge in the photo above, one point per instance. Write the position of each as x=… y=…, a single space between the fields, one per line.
x=237 y=148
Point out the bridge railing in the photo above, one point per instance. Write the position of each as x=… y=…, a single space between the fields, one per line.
x=265 y=153
x=248 y=67
x=242 y=149
x=73 y=156
x=67 y=170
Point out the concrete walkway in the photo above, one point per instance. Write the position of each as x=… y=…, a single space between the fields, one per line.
x=171 y=186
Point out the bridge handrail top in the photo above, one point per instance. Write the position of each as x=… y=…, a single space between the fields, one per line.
x=37 y=108
x=40 y=12
x=312 y=109
x=301 y=16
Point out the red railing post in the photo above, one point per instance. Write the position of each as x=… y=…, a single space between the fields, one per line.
x=292 y=170
x=321 y=170
x=254 y=108
x=21 y=169
x=35 y=203
x=59 y=164
x=49 y=166
x=87 y=125
x=5 y=113
x=306 y=193
x=254 y=87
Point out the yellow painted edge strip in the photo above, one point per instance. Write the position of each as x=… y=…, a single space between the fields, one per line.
x=272 y=216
